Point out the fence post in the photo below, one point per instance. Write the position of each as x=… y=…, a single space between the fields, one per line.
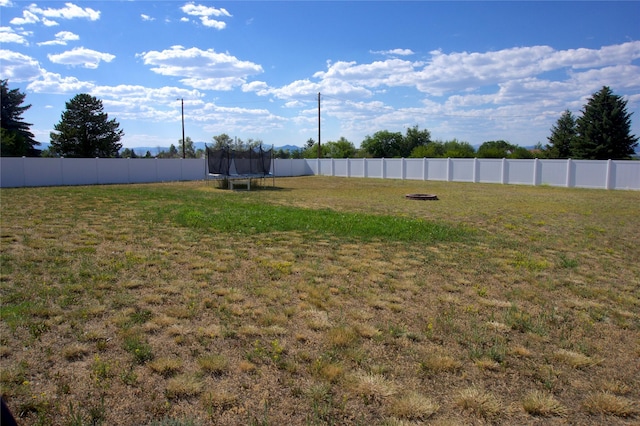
x=364 y=167
x=535 y=171
x=61 y=171
x=402 y=169
x=384 y=171
x=607 y=184
x=333 y=167
x=348 y=167
x=568 y=178
x=449 y=169
x=503 y=172
x=24 y=171
x=475 y=170
x=424 y=168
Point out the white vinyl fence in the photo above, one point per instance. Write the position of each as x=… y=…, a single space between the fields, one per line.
x=611 y=174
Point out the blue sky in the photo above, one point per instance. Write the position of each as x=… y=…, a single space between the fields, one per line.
x=474 y=71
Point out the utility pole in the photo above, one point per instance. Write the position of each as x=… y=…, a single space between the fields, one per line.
x=183 y=141
x=319 y=150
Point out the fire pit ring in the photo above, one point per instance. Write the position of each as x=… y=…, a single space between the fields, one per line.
x=421 y=196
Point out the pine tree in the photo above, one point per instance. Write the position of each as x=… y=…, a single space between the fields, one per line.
x=563 y=136
x=85 y=130
x=15 y=138
x=603 y=131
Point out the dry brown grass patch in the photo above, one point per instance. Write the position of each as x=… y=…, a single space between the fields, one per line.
x=575 y=359
x=219 y=399
x=214 y=364
x=413 y=406
x=480 y=402
x=75 y=351
x=543 y=404
x=342 y=337
x=373 y=386
x=316 y=320
x=166 y=366
x=435 y=363
x=609 y=404
x=183 y=386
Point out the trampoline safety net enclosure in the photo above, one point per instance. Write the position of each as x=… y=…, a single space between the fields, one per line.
x=238 y=165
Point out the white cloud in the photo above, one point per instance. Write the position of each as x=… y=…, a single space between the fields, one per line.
x=206 y=68
x=54 y=83
x=8 y=35
x=393 y=52
x=69 y=11
x=146 y=17
x=199 y=10
x=34 y=14
x=61 y=38
x=27 y=18
x=212 y=23
x=205 y=13
x=18 y=67
x=222 y=84
x=81 y=56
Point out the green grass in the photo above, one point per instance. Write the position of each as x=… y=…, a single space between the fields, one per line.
x=320 y=301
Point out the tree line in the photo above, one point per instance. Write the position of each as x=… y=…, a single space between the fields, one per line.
x=85 y=130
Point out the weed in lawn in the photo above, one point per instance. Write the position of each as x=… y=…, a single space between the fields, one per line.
x=136 y=346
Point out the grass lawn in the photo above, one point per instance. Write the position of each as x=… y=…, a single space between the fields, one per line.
x=320 y=301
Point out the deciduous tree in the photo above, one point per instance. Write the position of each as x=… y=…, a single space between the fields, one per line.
x=383 y=144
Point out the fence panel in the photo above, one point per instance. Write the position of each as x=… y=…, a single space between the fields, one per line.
x=113 y=170
x=589 y=174
x=12 y=172
x=356 y=167
x=143 y=170
x=437 y=169
x=462 y=169
x=374 y=167
x=393 y=168
x=169 y=169
x=341 y=167
x=489 y=170
x=414 y=168
x=553 y=172
x=79 y=171
x=625 y=175
x=521 y=172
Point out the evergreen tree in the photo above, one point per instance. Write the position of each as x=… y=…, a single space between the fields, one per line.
x=85 y=130
x=15 y=138
x=563 y=136
x=603 y=131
